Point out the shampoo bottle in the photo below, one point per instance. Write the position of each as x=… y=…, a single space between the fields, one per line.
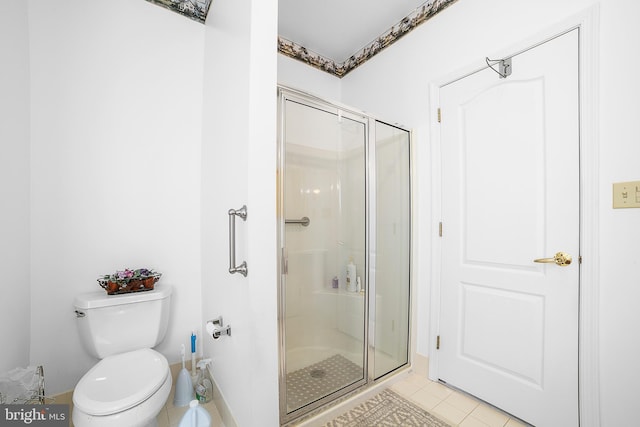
x=351 y=276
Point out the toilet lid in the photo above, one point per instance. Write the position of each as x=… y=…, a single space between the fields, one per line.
x=120 y=382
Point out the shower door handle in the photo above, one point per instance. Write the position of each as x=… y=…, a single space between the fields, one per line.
x=233 y=268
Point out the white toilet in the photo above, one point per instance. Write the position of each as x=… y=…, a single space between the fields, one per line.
x=131 y=383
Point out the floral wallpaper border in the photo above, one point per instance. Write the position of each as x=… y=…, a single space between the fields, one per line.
x=193 y=9
x=411 y=21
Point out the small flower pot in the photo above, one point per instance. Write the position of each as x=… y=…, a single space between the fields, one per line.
x=112 y=287
x=130 y=281
x=148 y=282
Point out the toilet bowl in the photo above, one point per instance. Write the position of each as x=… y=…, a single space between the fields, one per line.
x=131 y=383
x=127 y=389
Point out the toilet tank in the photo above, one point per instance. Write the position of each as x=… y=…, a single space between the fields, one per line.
x=113 y=324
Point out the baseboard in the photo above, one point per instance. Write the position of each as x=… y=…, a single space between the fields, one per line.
x=221 y=404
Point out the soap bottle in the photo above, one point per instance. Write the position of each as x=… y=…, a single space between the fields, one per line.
x=351 y=276
x=204 y=386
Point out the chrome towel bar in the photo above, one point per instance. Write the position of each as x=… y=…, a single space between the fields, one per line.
x=233 y=268
x=304 y=221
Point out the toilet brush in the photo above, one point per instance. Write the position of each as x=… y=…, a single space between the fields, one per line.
x=184 y=386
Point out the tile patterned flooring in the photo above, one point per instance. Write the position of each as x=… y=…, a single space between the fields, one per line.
x=451 y=406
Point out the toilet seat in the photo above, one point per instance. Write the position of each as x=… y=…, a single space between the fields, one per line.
x=120 y=382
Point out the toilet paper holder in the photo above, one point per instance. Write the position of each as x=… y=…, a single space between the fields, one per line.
x=216 y=329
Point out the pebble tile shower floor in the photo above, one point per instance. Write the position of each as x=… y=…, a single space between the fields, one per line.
x=315 y=381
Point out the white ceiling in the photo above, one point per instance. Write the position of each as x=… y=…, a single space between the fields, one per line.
x=336 y=29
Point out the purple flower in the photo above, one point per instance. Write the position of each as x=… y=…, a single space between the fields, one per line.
x=125 y=274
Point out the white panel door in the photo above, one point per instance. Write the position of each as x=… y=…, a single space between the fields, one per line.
x=510 y=194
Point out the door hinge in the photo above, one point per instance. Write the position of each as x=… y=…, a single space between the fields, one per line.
x=440 y=229
x=438 y=342
x=439 y=116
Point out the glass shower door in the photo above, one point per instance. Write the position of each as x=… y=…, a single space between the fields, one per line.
x=324 y=262
x=391 y=275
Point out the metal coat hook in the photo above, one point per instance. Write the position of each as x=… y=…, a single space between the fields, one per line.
x=504 y=66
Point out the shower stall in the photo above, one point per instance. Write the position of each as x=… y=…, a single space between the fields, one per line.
x=344 y=251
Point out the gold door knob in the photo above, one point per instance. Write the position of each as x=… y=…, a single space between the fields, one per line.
x=561 y=258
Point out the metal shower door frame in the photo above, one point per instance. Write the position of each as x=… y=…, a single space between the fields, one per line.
x=288 y=94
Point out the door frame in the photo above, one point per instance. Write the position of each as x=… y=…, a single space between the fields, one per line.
x=588 y=321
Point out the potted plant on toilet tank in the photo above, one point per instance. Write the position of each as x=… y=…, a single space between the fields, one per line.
x=125 y=281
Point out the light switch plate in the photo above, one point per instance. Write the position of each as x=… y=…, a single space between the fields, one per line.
x=626 y=194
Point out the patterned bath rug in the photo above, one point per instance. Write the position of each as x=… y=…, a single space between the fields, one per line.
x=309 y=384
x=386 y=408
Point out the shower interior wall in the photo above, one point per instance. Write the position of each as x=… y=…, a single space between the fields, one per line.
x=312 y=309
x=324 y=180
x=388 y=342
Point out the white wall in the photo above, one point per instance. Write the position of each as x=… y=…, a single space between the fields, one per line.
x=238 y=168
x=116 y=101
x=464 y=34
x=14 y=185
x=619 y=229
x=143 y=136
x=297 y=75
